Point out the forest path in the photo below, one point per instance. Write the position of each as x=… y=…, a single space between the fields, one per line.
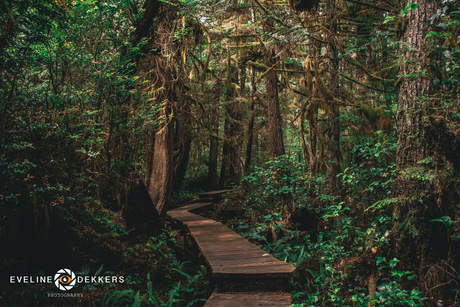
x=243 y=274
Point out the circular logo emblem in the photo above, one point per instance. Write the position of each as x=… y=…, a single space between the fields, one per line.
x=64 y=279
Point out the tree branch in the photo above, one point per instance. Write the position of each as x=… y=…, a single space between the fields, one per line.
x=365 y=85
x=369 y=5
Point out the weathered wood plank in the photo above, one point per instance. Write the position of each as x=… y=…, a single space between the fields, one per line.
x=214 y=240
x=192 y=207
x=248 y=300
x=235 y=263
x=212 y=193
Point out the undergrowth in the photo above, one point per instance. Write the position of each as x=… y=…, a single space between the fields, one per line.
x=339 y=245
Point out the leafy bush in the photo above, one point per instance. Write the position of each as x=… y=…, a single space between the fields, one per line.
x=171 y=281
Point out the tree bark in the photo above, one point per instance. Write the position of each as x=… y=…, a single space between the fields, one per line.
x=214 y=140
x=161 y=174
x=150 y=8
x=231 y=151
x=411 y=146
x=231 y=160
x=252 y=92
x=182 y=144
x=333 y=112
x=274 y=116
x=418 y=240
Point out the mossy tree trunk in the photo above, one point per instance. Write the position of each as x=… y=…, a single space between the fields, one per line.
x=273 y=106
x=422 y=190
x=333 y=109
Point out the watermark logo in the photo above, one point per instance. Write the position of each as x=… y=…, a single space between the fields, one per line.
x=65 y=279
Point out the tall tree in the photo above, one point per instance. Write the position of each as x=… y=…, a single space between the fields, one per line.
x=214 y=138
x=273 y=105
x=333 y=110
x=411 y=144
x=162 y=72
x=422 y=136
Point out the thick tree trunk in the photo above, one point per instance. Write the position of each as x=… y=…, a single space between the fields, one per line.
x=411 y=146
x=274 y=116
x=417 y=240
x=162 y=170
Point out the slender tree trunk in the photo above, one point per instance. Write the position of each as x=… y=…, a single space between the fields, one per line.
x=312 y=111
x=214 y=140
x=274 y=116
x=182 y=144
x=231 y=151
x=252 y=92
x=148 y=166
x=225 y=153
x=150 y=9
x=333 y=112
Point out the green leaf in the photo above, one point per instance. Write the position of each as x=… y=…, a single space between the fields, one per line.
x=388 y=19
x=380 y=260
x=99 y=270
x=393 y=262
x=412 y=6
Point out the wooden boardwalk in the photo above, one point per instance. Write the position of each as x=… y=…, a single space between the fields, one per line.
x=243 y=274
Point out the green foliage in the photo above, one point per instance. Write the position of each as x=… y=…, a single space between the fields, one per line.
x=370 y=174
x=170 y=281
x=412 y=6
x=273 y=186
x=72 y=117
x=178 y=293
x=352 y=231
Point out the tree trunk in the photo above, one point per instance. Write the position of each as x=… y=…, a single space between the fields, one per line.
x=150 y=10
x=214 y=140
x=274 y=116
x=231 y=160
x=252 y=92
x=333 y=112
x=417 y=240
x=162 y=170
x=231 y=152
x=226 y=159
x=411 y=146
x=182 y=144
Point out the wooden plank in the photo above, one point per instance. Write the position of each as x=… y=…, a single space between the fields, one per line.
x=249 y=300
x=227 y=252
x=255 y=266
x=247 y=257
x=212 y=193
x=215 y=192
x=235 y=261
x=192 y=207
